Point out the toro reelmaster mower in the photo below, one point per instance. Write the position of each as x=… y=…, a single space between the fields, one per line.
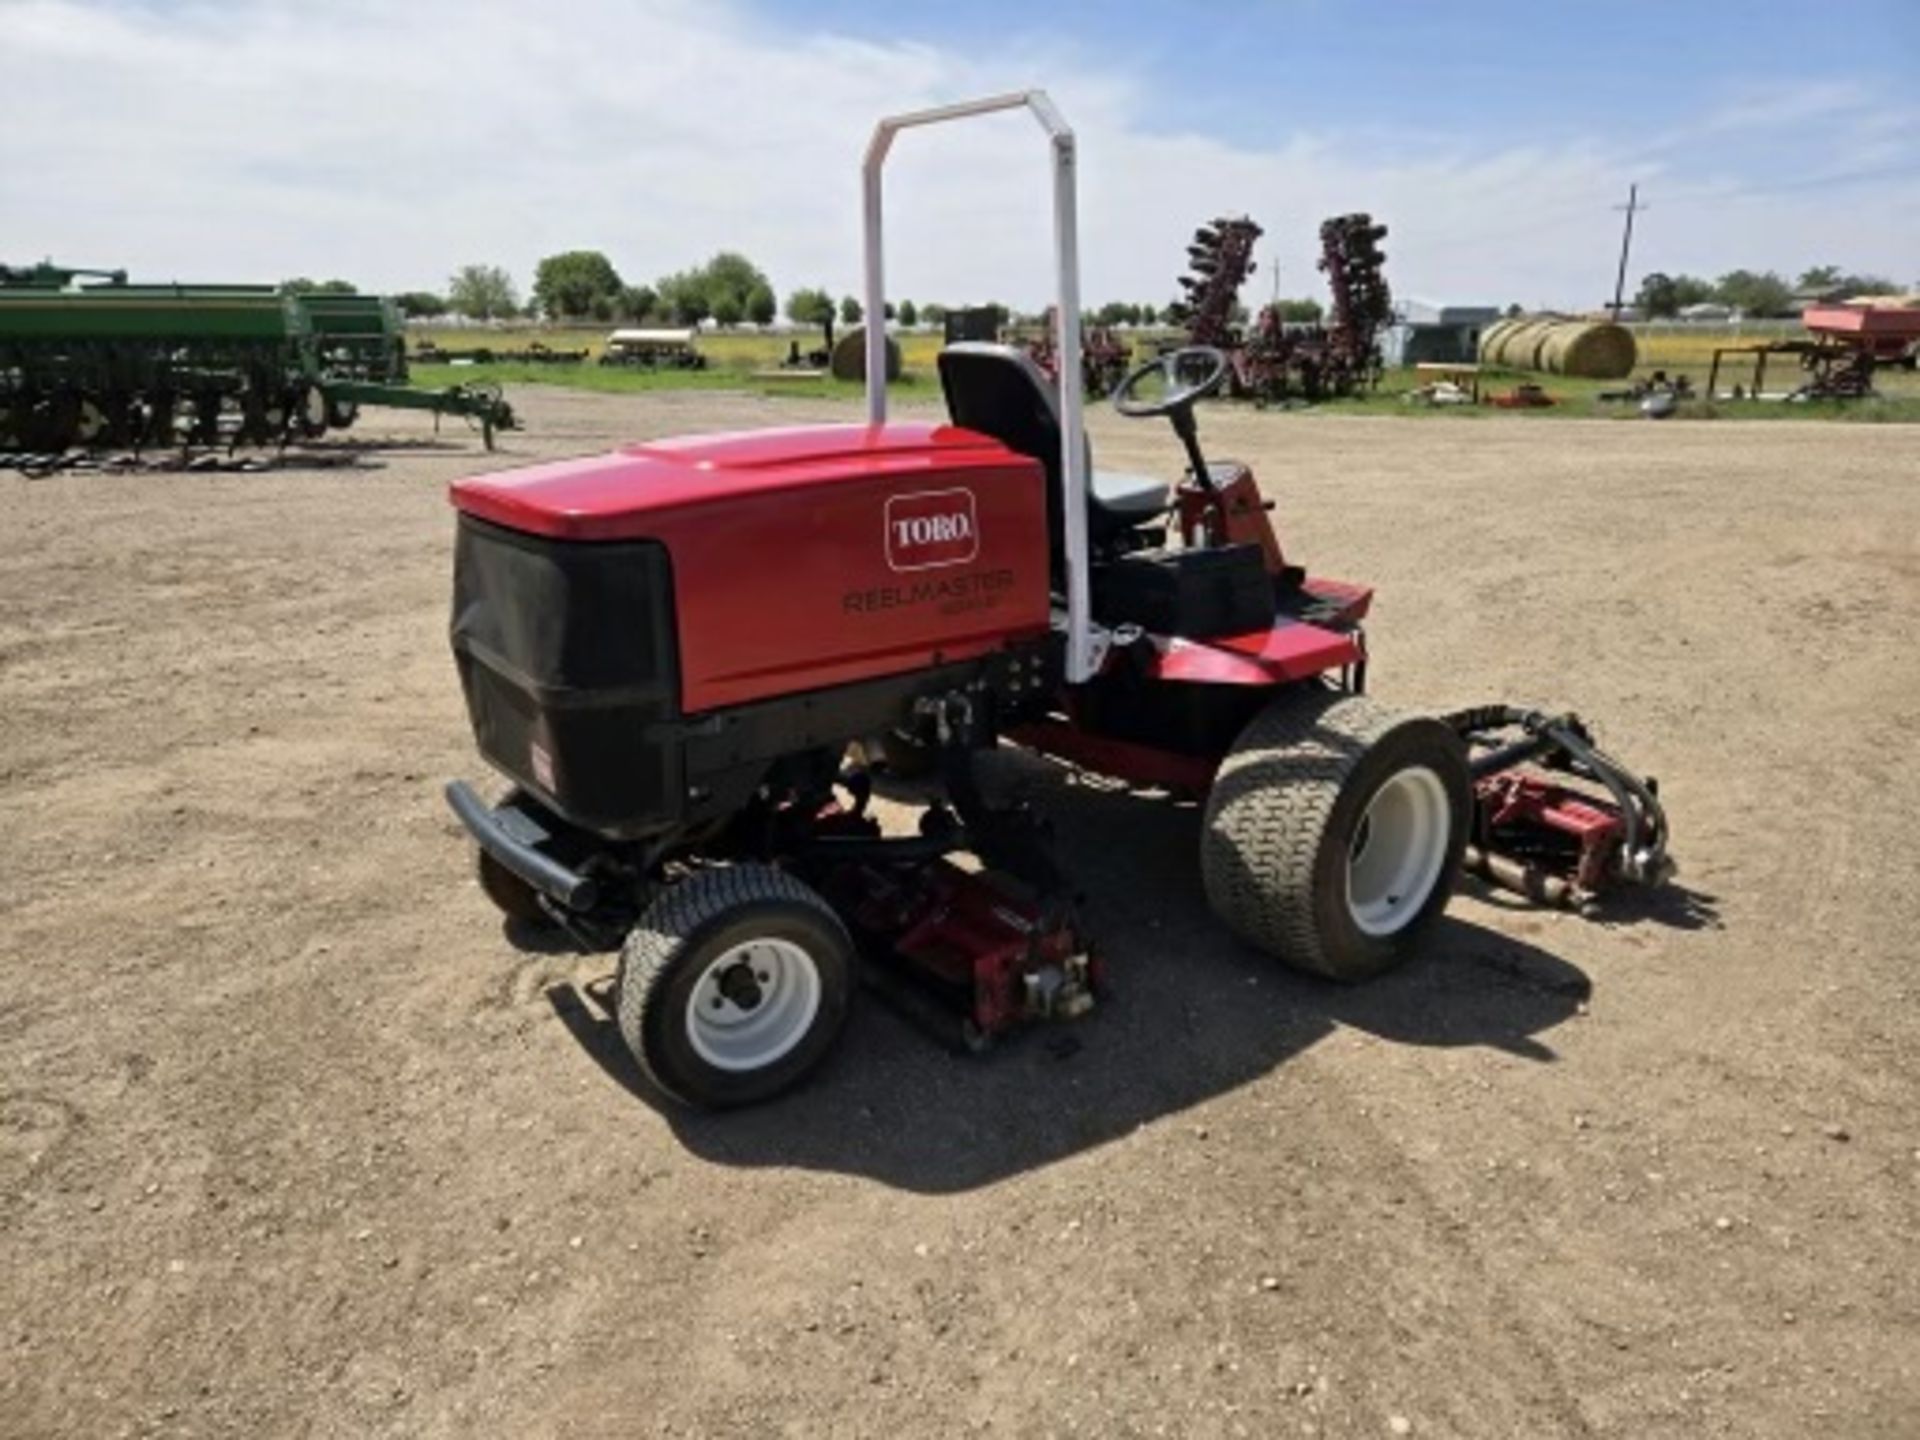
x=674 y=650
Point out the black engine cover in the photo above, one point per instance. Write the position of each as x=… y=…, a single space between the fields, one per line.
x=568 y=658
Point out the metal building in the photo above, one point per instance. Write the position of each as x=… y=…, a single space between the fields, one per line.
x=1444 y=334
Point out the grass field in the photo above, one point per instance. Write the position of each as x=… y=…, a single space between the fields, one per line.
x=744 y=360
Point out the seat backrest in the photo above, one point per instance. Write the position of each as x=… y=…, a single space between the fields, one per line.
x=997 y=390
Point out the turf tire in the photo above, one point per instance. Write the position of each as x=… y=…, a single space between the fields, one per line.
x=681 y=933
x=1283 y=815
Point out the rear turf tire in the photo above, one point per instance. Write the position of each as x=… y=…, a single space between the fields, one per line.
x=733 y=985
x=1333 y=832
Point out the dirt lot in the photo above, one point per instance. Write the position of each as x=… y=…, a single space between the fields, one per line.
x=297 y=1142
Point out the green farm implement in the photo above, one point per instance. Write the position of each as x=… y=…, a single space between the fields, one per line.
x=132 y=366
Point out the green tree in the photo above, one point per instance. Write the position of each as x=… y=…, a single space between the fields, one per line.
x=482 y=292
x=812 y=307
x=1304 y=311
x=1655 y=299
x=727 y=310
x=909 y=314
x=850 y=311
x=1149 y=315
x=568 y=284
x=420 y=304
x=636 y=302
x=761 y=306
x=1869 y=285
x=1832 y=280
x=934 y=313
x=729 y=275
x=1691 y=290
x=683 y=296
x=1754 y=293
x=1662 y=295
x=301 y=285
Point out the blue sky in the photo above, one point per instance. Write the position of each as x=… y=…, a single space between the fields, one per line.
x=392 y=143
x=1459 y=66
x=1406 y=42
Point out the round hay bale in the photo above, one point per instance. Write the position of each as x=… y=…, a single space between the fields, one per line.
x=1534 y=345
x=1503 y=354
x=1519 y=347
x=1596 y=351
x=1490 y=339
x=1553 y=349
x=849 y=359
x=1523 y=345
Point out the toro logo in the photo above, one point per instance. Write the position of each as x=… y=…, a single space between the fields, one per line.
x=929 y=528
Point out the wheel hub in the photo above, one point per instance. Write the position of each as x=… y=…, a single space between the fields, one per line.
x=740 y=985
x=753 y=1004
x=1398 y=852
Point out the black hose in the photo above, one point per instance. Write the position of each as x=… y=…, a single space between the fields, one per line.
x=1476 y=719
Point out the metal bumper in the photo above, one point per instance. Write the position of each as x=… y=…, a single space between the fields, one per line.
x=513 y=837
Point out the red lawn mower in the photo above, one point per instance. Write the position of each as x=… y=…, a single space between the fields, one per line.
x=676 y=651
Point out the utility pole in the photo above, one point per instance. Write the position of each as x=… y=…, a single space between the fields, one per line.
x=1626 y=243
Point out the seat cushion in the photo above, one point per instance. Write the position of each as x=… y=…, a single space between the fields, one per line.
x=1138 y=497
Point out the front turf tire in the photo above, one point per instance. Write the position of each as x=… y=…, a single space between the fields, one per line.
x=1334 y=830
x=733 y=986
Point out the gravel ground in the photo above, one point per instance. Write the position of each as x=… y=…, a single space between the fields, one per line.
x=294 y=1141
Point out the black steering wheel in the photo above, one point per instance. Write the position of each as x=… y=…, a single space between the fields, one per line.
x=1176 y=366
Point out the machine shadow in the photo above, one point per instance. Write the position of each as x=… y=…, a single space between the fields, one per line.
x=1672 y=906
x=1191 y=1014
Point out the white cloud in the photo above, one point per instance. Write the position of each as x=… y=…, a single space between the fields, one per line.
x=390 y=143
x=1776 y=108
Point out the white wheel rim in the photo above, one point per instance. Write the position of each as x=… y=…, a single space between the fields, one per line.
x=1398 y=851
x=753 y=1005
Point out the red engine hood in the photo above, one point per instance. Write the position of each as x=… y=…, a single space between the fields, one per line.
x=623 y=495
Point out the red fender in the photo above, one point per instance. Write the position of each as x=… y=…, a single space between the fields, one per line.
x=1289 y=650
x=1292 y=650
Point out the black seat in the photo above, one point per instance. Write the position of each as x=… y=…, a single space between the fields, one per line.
x=999 y=391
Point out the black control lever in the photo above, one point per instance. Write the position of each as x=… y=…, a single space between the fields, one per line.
x=1188 y=429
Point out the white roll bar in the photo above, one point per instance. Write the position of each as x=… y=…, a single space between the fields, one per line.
x=1066 y=245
